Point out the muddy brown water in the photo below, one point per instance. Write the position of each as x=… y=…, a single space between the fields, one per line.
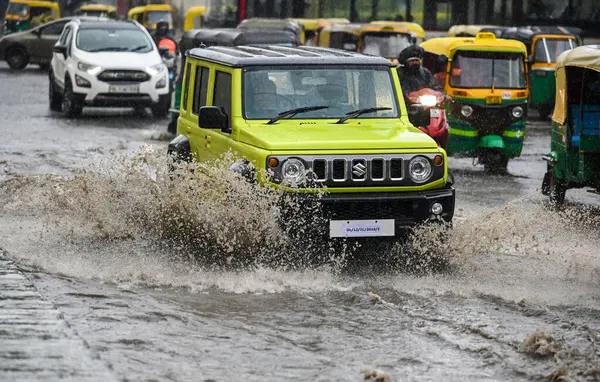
x=520 y=272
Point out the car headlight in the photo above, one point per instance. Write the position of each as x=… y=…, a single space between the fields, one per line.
x=419 y=169
x=161 y=83
x=91 y=69
x=428 y=100
x=517 y=111
x=155 y=69
x=466 y=111
x=293 y=171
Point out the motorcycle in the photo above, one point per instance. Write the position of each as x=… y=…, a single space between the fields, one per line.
x=427 y=113
x=169 y=57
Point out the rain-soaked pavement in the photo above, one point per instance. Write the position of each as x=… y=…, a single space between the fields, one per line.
x=520 y=300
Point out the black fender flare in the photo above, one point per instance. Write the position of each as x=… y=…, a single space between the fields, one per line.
x=180 y=149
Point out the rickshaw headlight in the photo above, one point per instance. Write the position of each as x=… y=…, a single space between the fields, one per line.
x=517 y=112
x=419 y=169
x=428 y=100
x=466 y=111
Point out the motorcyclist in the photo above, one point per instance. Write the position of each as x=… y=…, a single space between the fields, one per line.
x=413 y=76
x=162 y=33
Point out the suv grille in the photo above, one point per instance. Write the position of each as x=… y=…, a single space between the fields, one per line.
x=123 y=76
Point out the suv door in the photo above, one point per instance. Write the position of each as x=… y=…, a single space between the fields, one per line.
x=59 y=62
x=217 y=141
x=41 y=47
x=197 y=135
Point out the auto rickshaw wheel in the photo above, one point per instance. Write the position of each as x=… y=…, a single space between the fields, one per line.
x=558 y=190
x=494 y=162
x=545 y=112
x=17 y=57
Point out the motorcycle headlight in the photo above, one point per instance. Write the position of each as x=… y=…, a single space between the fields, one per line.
x=466 y=111
x=91 y=69
x=293 y=171
x=428 y=100
x=419 y=169
x=517 y=111
x=155 y=69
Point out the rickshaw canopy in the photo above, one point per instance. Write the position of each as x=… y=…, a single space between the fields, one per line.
x=191 y=16
x=585 y=57
x=414 y=28
x=467 y=30
x=483 y=41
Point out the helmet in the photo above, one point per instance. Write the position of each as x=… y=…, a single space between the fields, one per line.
x=410 y=53
x=162 y=28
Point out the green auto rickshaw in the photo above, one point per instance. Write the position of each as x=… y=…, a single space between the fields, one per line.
x=223 y=37
x=574 y=159
x=544 y=45
x=22 y=15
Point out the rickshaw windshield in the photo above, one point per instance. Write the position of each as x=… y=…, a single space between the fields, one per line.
x=153 y=17
x=547 y=50
x=270 y=91
x=385 y=44
x=476 y=69
x=16 y=9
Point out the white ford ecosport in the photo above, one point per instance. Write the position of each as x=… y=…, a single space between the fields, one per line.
x=107 y=63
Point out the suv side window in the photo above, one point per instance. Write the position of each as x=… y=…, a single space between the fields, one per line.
x=201 y=89
x=53 y=29
x=188 y=74
x=62 y=40
x=68 y=40
x=222 y=96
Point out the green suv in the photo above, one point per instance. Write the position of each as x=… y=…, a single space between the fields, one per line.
x=310 y=118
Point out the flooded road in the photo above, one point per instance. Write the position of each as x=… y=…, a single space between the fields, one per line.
x=520 y=302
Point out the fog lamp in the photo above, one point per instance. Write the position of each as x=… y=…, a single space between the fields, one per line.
x=466 y=111
x=437 y=208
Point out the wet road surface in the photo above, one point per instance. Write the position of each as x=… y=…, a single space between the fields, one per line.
x=521 y=273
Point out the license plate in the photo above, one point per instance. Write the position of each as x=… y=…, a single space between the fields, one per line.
x=124 y=89
x=362 y=228
x=493 y=100
x=435 y=113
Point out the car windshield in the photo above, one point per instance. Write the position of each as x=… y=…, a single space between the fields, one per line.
x=547 y=50
x=153 y=17
x=268 y=92
x=476 y=69
x=16 y=9
x=113 y=40
x=385 y=44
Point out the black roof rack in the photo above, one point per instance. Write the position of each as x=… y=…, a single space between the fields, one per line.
x=240 y=56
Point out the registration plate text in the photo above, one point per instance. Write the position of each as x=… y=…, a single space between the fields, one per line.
x=128 y=89
x=361 y=228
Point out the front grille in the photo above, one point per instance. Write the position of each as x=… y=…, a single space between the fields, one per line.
x=370 y=209
x=360 y=170
x=123 y=76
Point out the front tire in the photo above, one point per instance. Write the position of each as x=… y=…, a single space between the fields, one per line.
x=71 y=107
x=558 y=191
x=161 y=109
x=495 y=162
x=54 y=96
x=17 y=58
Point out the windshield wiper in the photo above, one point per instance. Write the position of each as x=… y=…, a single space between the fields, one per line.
x=137 y=48
x=359 y=112
x=110 y=49
x=293 y=112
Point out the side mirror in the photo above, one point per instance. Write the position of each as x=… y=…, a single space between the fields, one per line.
x=531 y=59
x=213 y=117
x=60 y=49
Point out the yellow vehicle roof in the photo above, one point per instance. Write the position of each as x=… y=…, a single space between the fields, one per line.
x=353 y=28
x=136 y=10
x=471 y=30
x=308 y=24
x=417 y=29
x=159 y=7
x=373 y=27
x=197 y=10
x=587 y=56
x=36 y=3
x=97 y=7
x=448 y=45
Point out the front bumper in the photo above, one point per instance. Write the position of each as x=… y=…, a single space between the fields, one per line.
x=407 y=209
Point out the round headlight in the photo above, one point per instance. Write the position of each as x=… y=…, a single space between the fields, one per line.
x=517 y=112
x=466 y=111
x=419 y=169
x=293 y=171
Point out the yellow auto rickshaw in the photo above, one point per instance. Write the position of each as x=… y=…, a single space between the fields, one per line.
x=194 y=18
x=310 y=27
x=325 y=22
x=150 y=15
x=378 y=40
x=416 y=29
x=22 y=15
x=486 y=77
x=97 y=10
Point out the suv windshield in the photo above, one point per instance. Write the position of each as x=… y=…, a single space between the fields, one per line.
x=113 y=40
x=270 y=91
x=555 y=48
x=153 y=17
x=473 y=69
x=16 y=9
x=385 y=44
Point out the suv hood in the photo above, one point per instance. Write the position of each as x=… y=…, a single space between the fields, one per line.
x=120 y=60
x=288 y=135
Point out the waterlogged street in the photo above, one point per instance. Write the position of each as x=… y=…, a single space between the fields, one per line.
x=520 y=299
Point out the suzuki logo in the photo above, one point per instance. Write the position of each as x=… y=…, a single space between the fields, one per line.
x=359 y=170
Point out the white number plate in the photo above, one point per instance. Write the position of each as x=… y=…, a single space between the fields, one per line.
x=435 y=113
x=124 y=89
x=361 y=228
